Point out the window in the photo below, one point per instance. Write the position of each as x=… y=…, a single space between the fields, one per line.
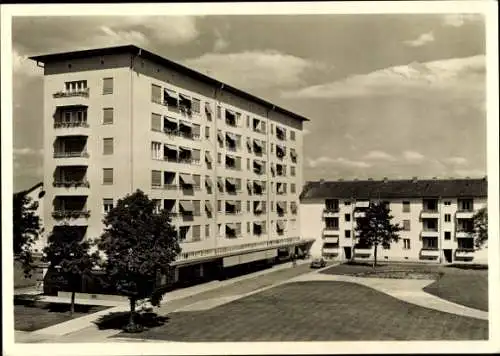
x=406 y=244
x=196 y=232
x=219 y=157
x=207 y=132
x=107 y=205
x=76 y=86
x=107 y=176
x=155 y=122
x=447 y=217
x=248 y=164
x=156 y=178
x=195 y=105
x=248 y=120
x=347 y=234
x=406 y=225
x=107 y=116
x=156 y=94
x=447 y=202
x=196 y=207
x=157 y=203
x=248 y=205
x=347 y=202
x=107 y=86
x=447 y=235
x=292 y=188
x=465 y=205
x=406 y=207
x=219 y=206
x=347 y=217
x=207 y=231
x=272 y=128
x=156 y=150
x=219 y=112
x=197 y=181
x=292 y=171
x=292 y=135
x=248 y=227
x=272 y=147
x=107 y=148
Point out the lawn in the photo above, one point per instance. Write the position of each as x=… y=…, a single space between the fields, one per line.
x=463 y=286
x=316 y=311
x=31 y=315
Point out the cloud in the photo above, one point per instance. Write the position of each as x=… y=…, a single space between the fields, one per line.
x=472 y=173
x=21 y=65
x=413 y=156
x=120 y=37
x=461 y=77
x=341 y=161
x=379 y=155
x=306 y=132
x=349 y=136
x=254 y=69
x=456 y=161
x=458 y=20
x=423 y=39
x=220 y=42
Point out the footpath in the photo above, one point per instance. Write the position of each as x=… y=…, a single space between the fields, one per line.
x=84 y=329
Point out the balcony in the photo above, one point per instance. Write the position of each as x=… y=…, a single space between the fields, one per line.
x=429 y=233
x=331 y=231
x=363 y=252
x=464 y=254
x=460 y=233
x=330 y=251
x=359 y=214
x=429 y=214
x=331 y=212
x=331 y=238
x=429 y=253
x=84 y=92
x=72 y=217
x=464 y=214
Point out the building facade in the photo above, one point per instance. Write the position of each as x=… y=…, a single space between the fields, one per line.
x=436 y=217
x=226 y=165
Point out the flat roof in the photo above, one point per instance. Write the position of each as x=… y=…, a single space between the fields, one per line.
x=393 y=189
x=167 y=63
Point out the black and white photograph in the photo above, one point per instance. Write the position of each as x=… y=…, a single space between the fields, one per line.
x=250 y=178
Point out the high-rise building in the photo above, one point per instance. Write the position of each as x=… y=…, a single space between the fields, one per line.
x=225 y=164
x=435 y=214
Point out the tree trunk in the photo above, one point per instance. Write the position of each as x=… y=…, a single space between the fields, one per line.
x=72 y=306
x=375 y=256
x=131 y=321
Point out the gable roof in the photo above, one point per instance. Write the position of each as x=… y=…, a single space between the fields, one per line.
x=392 y=189
x=132 y=49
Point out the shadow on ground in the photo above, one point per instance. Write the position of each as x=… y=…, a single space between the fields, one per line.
x=118 y=320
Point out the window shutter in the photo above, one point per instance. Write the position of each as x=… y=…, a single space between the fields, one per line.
x=156 y=178
x=156 y=94
x=155 y=122
x=195 y=155
x=107 y=176
x=107 y=86
x=196 y=130
x=108 y=146
x=107 y=114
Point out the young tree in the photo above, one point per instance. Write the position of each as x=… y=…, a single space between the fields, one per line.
x=375 y=228
x=70 y=256
x=139 y=244
x=480 y=221
x=26 y=226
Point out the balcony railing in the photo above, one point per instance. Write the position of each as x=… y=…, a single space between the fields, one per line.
x=71 y=214
x=71 y=183
x=66 y=94
x=68 y=154
x=60 y=124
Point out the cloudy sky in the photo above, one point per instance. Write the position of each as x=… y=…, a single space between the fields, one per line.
x=387 y=95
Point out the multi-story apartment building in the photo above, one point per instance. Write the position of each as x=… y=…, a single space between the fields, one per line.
x=225 y=164
x=436 y=217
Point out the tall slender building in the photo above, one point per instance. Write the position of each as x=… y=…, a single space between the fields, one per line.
x=225 y=164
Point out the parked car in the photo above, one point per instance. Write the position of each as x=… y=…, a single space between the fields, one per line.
x=318 y=262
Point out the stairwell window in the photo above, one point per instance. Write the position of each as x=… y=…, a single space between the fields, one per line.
x=156 y=94
x=107 y=146
x=406 y=225
x=447 y=217
x=107 y=116
x=406 y=244
x=406 y=207
x=156 y=122
x=107 y=86
x=195 y=105
x=107 y=176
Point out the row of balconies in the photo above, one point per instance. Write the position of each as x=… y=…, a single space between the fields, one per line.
x=424 y=214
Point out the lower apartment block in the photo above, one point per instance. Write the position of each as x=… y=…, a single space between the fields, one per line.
x=436 y=217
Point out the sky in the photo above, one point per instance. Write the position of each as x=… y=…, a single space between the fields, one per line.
x=387 y=95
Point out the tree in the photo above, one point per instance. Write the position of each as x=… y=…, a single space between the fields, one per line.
x=480 y=222
x=70 y=256
x=139 y=244
x=26 y=226
x=375 y=228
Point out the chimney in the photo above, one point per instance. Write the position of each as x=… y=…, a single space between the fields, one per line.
x=370 y=178
x=414 y=179
x=321 y=181
x=434 y=177
x=386 y=179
